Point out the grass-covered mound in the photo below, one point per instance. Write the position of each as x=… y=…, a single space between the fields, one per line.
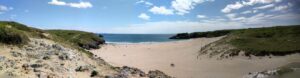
x=16 y=33
x=265 y=41
x=280 y=40
x=201 y=34
x=79 y=38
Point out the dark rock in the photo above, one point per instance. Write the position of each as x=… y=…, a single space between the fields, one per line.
x=64 y=56
x=25 y=66
x=36 y=65
x=94 y=73
x=157 y=74
x=46 y=57
x=82 y=69
x=57 y=47
x=16 y=54
x=181 y=36
x=172 y=65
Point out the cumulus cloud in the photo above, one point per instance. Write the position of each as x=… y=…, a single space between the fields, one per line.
x=184 y=6
x=230 y=7
x=80 y=4
x=144 y=16
x=240 y=4
x=4 y=8
x=57 y=2
x=161 y=10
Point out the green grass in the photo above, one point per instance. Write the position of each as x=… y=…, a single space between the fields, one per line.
x=279 y=40
x=80 y=38
x=265 y=41
x=14 y=33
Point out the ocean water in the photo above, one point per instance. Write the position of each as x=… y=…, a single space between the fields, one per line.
x=137 y=38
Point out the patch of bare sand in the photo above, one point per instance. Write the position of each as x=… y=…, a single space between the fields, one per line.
x=183 y=54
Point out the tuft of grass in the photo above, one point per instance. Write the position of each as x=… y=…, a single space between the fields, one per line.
x=13 y=36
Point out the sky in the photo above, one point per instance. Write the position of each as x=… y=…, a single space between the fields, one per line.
x=150 y=16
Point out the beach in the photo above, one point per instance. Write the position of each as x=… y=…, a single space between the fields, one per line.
x=179 y=59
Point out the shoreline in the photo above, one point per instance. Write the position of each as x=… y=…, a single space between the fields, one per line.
x=179 y=59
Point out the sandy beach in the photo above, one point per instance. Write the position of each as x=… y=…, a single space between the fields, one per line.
x=183 y=54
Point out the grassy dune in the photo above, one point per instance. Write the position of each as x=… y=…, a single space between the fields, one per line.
x=280 y=40
x=82 y=39
x=14 y=33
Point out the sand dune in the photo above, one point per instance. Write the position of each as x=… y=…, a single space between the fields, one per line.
x=183 y=54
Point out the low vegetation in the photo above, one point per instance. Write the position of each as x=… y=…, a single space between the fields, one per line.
x=82 y=39
x=264 y=41
x=280 y=40
x=14 y=33
x=201 y=34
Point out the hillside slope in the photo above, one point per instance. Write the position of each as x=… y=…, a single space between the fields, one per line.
x=27 y=52
x=280 y=40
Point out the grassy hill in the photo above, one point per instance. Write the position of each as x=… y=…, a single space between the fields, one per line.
x=80 y=38
x=280 y=40
x=17 y=34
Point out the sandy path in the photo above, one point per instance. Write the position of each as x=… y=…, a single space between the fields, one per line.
x=184 y=55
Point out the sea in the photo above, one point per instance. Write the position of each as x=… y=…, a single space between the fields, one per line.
x=136 y=38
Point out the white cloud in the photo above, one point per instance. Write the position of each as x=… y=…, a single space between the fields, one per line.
x=80 y=4
x=144 y=16
x=161 y=10
x=231 y=16
x=4 y=9
x=246 y=12
x=249 y=11
x=253 y=2
x=57 y=2
x=283 y=7
x=144 y=2
x=265 y=6
x=201 y=16
x=184 y=6
x=240 y=4
x=230 y=7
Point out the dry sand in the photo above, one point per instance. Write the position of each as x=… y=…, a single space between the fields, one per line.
x=183 y=54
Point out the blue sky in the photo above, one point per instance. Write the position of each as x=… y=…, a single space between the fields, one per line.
x=150 y=16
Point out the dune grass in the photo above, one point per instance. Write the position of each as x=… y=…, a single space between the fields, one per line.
x=278 y=40
x=14 y=33
x=80 y=38
x=264 y=41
